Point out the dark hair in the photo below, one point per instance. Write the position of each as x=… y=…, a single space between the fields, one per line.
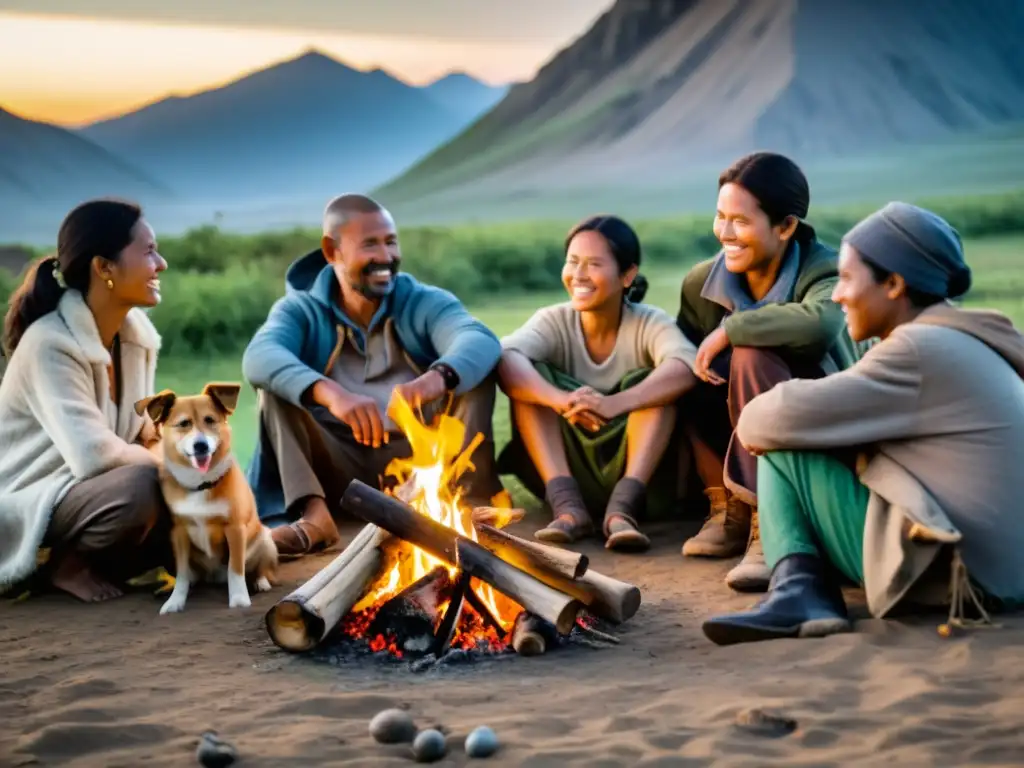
x=778 y=184
x=917 y=298
x=624 y=245
x=95 y=228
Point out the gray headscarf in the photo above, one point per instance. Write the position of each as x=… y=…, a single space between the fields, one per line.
x=918 y=245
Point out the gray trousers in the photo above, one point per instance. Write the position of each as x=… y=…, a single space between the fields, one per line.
x=317 y=455
x=117 y=521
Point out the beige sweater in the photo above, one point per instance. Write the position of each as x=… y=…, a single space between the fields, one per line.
x=648 y=336
x=939 y=408
x=58 y=425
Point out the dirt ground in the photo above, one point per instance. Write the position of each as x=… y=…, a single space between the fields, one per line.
x=117 y=684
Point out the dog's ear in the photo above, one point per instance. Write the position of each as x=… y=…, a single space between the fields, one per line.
x=158 y=406
x=224 y=395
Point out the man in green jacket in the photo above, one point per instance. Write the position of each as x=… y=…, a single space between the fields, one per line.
x=761 y=312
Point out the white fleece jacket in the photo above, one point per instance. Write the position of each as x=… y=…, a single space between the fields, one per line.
x=58 y=425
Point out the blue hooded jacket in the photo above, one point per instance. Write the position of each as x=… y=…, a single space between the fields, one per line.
x=291 y=350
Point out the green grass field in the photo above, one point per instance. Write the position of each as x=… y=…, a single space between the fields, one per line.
x=999 y=283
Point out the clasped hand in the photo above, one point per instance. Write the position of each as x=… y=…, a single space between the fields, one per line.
x=588 y=408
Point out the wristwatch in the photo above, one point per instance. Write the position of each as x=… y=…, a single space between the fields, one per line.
x=451 y=378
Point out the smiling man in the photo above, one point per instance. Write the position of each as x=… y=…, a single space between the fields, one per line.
x=351 y=334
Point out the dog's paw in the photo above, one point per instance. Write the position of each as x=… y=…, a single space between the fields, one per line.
x=240 y=600
x=263 y=584
x=174 y=604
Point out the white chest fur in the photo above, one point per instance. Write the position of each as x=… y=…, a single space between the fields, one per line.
x=196 y=508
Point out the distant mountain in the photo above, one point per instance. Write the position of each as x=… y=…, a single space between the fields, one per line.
x=43 y=164
x=656 y=88
x=308 y=127
x=465 y=95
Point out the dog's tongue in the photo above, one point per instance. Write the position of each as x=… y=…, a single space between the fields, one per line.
x=202 y=463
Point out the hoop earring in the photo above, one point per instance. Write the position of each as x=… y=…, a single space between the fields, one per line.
x=110 y=284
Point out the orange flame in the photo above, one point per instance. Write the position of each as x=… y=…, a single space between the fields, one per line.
x=427 y=481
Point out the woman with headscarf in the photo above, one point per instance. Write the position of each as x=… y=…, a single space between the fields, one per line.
x=762 y=313
x=936 y=410
x=76 y=474
x=593 y=384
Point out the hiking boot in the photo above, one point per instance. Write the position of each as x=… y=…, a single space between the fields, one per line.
x=801 y=602
x=726 y=531
x=752 y=573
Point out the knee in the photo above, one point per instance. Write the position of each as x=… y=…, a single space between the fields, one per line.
x=478 y=403
x=747 y=359
x=143 y=499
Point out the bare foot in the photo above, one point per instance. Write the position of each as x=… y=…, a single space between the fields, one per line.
x=74 y=576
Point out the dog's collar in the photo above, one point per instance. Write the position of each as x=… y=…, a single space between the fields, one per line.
x=186 y=476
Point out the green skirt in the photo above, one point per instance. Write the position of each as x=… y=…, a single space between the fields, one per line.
x=597 y=460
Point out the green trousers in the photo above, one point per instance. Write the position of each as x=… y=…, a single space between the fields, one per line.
x=812 y=504
x=596 y=459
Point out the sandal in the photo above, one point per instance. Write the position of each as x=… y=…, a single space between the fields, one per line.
x=302 y=537
x=571 y=519
x=623 y=535
x=564 y=529
x=628 y=498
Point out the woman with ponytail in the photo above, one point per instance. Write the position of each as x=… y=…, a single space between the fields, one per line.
x=762 y=313
x=593 y=384
x=75 y=475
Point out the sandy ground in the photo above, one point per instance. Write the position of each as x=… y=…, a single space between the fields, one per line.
x=118 y=685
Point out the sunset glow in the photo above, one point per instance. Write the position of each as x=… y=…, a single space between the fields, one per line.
x=73 y=71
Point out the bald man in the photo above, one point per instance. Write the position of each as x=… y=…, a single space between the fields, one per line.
x=350 y=333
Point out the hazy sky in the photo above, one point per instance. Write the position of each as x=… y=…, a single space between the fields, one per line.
x=72 y=61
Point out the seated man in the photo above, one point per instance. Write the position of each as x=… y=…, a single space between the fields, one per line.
x=937 y=410
x=349 y=334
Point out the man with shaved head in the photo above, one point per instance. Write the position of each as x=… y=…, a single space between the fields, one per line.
x=350 y=335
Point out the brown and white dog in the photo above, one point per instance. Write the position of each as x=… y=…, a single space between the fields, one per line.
x=216 y=534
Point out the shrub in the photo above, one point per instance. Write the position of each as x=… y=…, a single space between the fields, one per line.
x=221 y=285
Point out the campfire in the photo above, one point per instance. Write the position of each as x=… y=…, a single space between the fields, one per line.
x=429 y=573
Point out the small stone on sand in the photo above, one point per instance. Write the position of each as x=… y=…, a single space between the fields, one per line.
x=761 y=723
x=392 y=726
x=213 y=752
x=481 y=742
x=429 y=746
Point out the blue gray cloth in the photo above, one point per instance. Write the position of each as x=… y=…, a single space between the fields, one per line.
x=730 y=290
x=917 y=244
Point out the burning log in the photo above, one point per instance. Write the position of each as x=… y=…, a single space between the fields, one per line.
x=534 y=558
x=604 y=596
x=446 y=629
x=442 y=542
x=410 y=615
x=497 y=517
x=531 y=635
x=305 y=617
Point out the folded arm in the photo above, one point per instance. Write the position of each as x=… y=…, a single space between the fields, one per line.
x=62 y=398
x=874 y=401
x=520 y=381
x=808 y=327
x=461 y=341
x=271 y=361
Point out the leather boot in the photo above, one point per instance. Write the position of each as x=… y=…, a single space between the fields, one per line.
x=752 y=573
x=726 y=531
x=802 y=601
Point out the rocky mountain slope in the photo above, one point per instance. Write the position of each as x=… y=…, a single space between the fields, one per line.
x=658 y=88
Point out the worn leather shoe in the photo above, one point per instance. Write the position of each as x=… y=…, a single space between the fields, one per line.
x=801 y=602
